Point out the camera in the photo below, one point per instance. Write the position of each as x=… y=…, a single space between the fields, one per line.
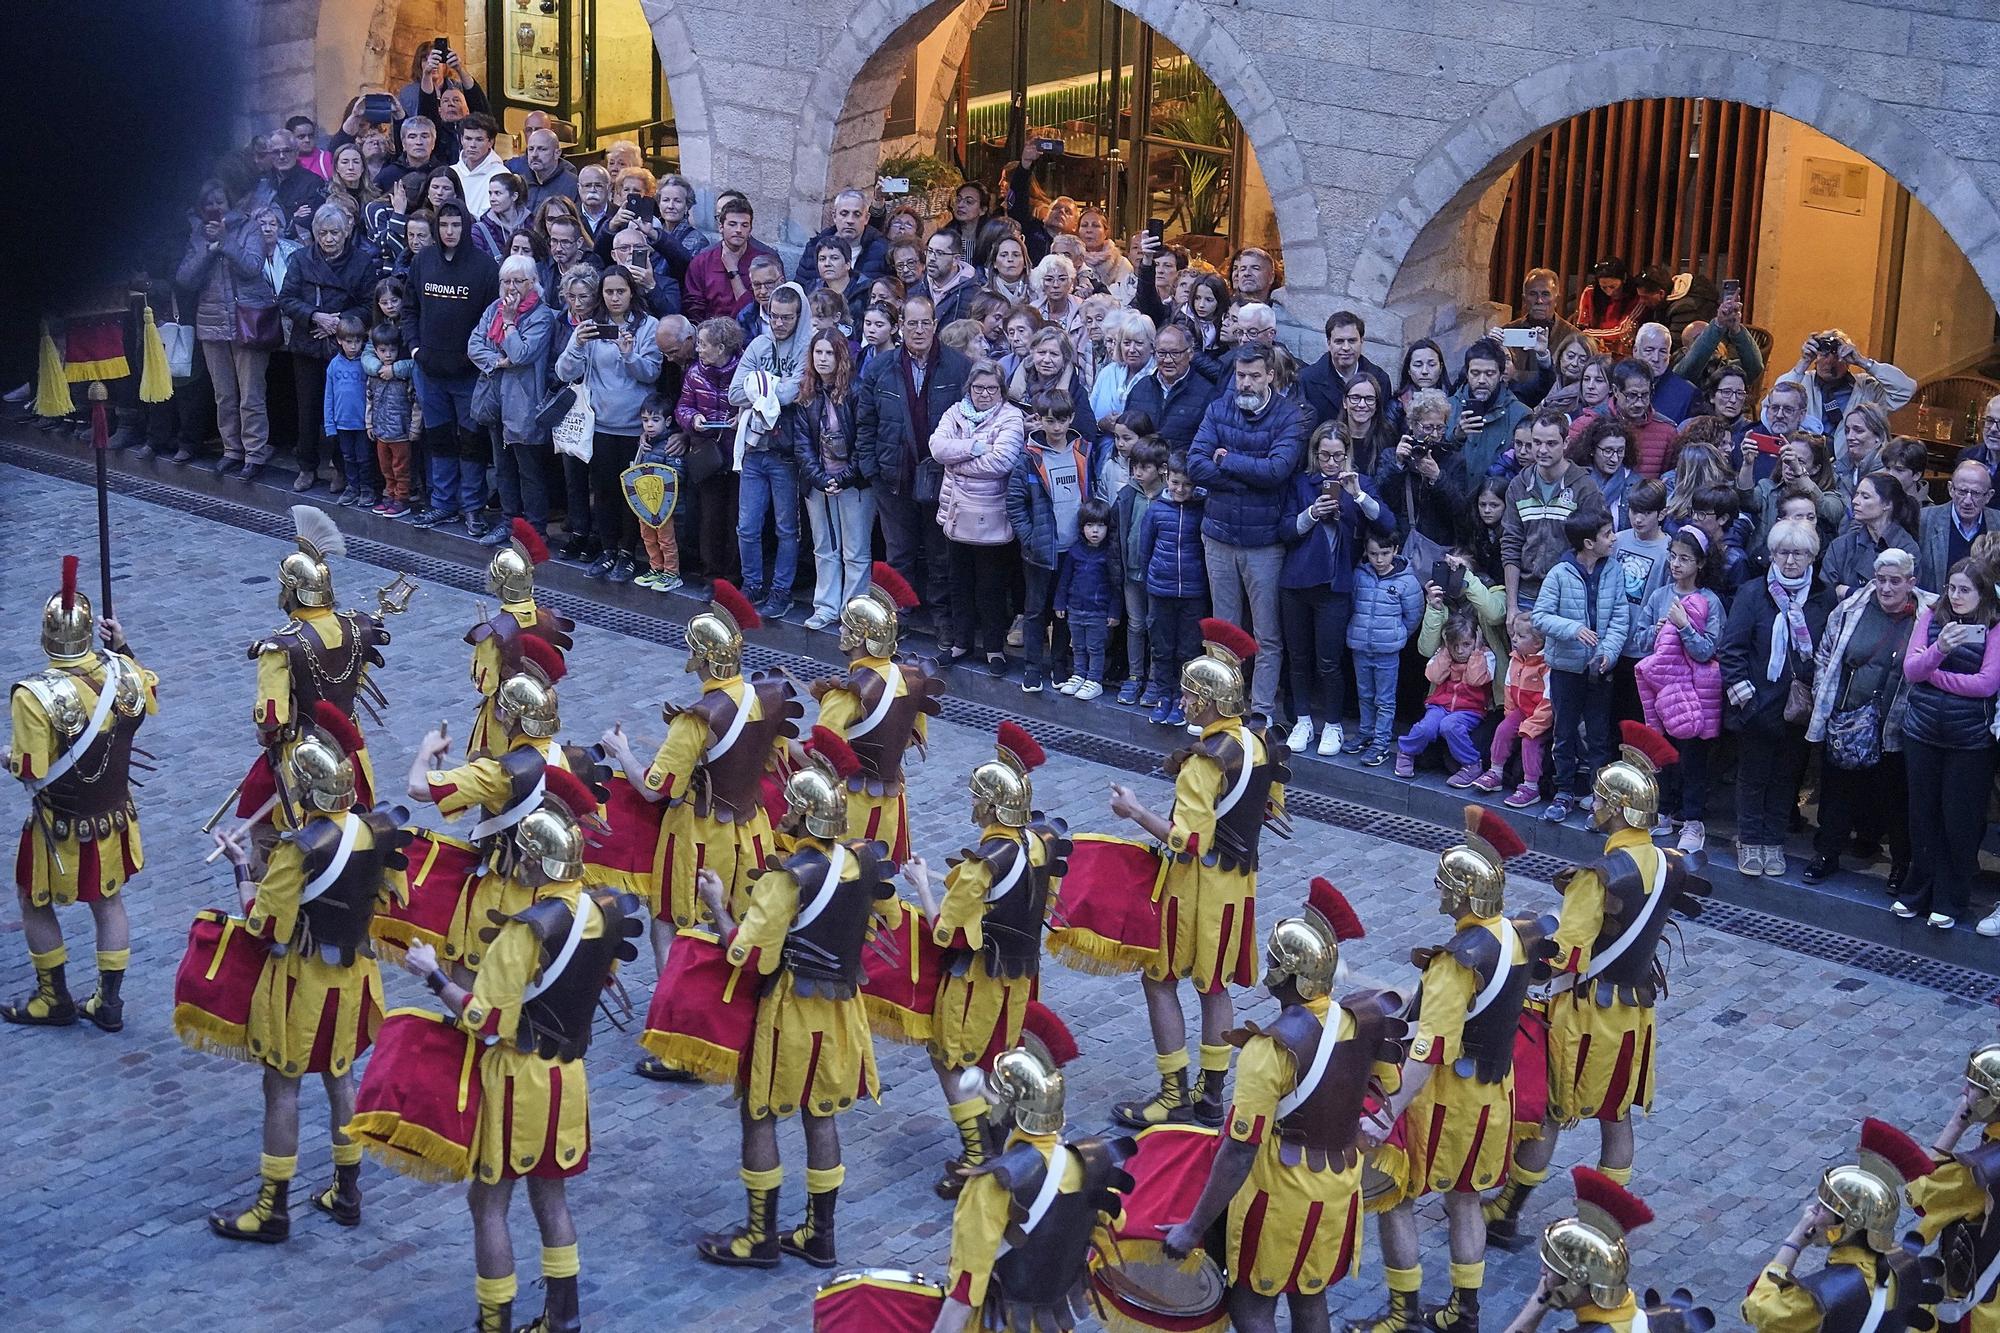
x=1826 y=344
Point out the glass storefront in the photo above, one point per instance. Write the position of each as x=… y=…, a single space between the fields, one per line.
x=588 y=63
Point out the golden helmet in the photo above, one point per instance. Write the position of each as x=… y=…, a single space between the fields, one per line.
x=869 y=621
x=320 y=767
x=510 y=574
x=1587 y=1252
x=1305 y=949
x=1867 y=1194
x=1026 y=1084
x=1982 y=1071
x=67 y=623
x=303 y=576
x=1627 y=789
x=816 y=792
x=1216 y=676
x=1002 y=783
x=1472 y=876
x=550 y=838
x=715 y=636
x=526 y=701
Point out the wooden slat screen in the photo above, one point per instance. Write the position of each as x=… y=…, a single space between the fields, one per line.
x=1674 y=181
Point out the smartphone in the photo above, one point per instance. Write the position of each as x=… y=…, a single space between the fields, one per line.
x=1976 y=632
x=441 y=45
x=1766 y=443
x=1448 y=576
x=1049 y=147
x=378 y=108
x=607 y=328
x=1522 y=338
x=643 y=207
x=1156 y=228
x=1732 y=289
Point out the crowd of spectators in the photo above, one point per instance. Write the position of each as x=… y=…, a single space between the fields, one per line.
x=1077 y=449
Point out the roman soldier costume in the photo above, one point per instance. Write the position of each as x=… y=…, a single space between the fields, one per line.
x=880 y=708
x=1958 y=1201
x=1871 y=1282
x=1228 y=786
x=497 y=642
x=72 y=748
x=1585 y=1263
x=317 y=1003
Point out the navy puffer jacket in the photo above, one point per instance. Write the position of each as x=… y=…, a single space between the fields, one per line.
x=1245 y=461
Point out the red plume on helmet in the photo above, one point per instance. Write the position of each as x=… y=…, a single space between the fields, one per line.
x=1624 y=1209
x=1232 y=639
x=69 y=583
x=1494 y=831
x=1015 y=740
x=338 y=726
x=568 y=788
x=1332 y=907
x=1895 y=1147
x=1041 y=1022
x=543 y=654
x=1657 y=749
x=531 y=541
x=827 y=744
x=731 y=599
x=889 y=581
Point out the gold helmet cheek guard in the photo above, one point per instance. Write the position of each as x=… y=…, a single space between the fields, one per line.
x=304 y=581
x=526 y=704
x=66 y=633
x=1027 y=1089
x=714 y=645
x=1589 y=1266
x=321 y=774
x=1215 y=682
x=1625 y=790
x=868 y=622
x=1982 y=1072
x=1863 y=1202
x=550 y=841
x=1305 y=956
x=817 y=799
x=510 y=575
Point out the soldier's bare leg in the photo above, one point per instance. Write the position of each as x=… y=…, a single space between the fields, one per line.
x=1251 y=1313
x=1309 y=1312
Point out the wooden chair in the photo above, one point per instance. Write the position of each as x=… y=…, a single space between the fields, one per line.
x=1937 y=416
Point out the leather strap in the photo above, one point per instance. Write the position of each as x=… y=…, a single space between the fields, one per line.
x=890 y=684
x=350 y=829
x=577 y=920
x=67 y=760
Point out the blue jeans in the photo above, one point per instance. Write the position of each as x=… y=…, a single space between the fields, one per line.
x=1453 y=726
x=457 y=448
x=357 y=459
x=1375 y=681
x=1089 y=640
x=843 y=526
x=1582 y=701
x=769 y=489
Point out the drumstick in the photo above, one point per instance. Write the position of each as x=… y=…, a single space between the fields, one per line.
x=243 y=830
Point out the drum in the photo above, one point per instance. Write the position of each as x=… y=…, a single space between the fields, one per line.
x=218 y=975
x=418 y=1106
x=1140 y=1286
x=1106 y=917
x=624 y=859
x=441 y=867
x=1385 y=1170
x=877 y=1300
x=704 y=1010
x=904 y=966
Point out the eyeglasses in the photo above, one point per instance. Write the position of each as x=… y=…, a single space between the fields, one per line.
x=1971 y=492
x=1989 y=422
x=1353 y=397
x=937 y=250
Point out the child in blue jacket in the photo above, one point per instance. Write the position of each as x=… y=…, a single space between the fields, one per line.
x=1090 y=595
x=1583 y=616
x=1388 y=605
x=1176 y=586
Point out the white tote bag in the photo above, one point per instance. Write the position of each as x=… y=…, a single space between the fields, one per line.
x=574 y=434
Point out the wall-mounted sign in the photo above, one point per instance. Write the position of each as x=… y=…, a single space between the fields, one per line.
x=1834 y=185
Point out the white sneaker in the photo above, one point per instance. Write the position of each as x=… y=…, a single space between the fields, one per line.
x=1014 y=636
x=1070 y=686
x=1989 y=925
x=1694 y=837
x=1194 y=728
x=1943 y=922
x=1087 y=691
x=1331 y=738
x=1903 y=910
x=1301 y=736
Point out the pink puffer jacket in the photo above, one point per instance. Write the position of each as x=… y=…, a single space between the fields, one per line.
x=1680 y=696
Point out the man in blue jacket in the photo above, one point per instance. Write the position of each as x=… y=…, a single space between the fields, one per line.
x=866 y=249
x=1249 y=445
x=1173 y=393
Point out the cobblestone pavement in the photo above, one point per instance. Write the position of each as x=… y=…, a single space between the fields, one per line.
x=117 y=1146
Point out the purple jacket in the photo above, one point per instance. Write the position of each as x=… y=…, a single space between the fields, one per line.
x=705 y=394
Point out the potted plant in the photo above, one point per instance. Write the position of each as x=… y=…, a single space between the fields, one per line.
x=1202 y=117
x=932 y=179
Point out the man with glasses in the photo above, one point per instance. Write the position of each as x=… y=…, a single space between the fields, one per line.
x=1946 y=532
x=1632 y=400
x=867 y=250
x=1674 y=398
x=566 y=251
x=1174 y=394
x=948 y=280
x=657 y=292
x=1326 y=381
x=1829 y=369
x=1987 y=450
x=767 y=272
x=293 y=190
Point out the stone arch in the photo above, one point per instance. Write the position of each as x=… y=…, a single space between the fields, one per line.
x=1412 y=268
x=688 y=94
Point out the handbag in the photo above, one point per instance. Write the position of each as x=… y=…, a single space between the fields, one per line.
x=701 y=460
x=1854 y=737
x=486 y=399
x=555 y=407
x=178 y=339
x=576 y=433
x=1798 y=701
x=258 y=327
x=929 y=482
x=1421 y=551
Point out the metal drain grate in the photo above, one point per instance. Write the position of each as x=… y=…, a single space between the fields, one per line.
x=470 y=576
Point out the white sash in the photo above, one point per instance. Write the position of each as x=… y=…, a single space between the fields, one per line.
x=736 y=725
x=1329 y=1037
x=891 y=684
x=836 y=863
x=1045 y=1197
x=1655 y=900
x=349 y=830
x=513 y=814
x=577 y=920
x=1235 y=793
x=67 y=760
x=1878 y=1305
x=1005 y=884
x=1492 y=989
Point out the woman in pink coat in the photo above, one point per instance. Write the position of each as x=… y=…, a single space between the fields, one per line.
x=978 y=441
x=1680 y=682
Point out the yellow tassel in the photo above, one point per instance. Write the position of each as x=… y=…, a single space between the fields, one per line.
x=705 y=1060
x=1083 y=950
x=51 y=385
x=412 y=1150
x=1394 y=1163
x=156 y=382
x=892 y=1022
x=202 y=1031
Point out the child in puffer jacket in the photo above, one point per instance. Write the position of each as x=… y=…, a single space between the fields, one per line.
x=1388 y=603
x=1679 y=680
x=1176 y=586
x=1460 y=674
x=1528 y=717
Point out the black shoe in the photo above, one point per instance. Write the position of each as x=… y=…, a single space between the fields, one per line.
x=622 y=570
x=658 y=1070
x=496 y=535
x=182 y=455
x=475 y=526
x=1867 y=849
x=430 y=518
x=601 y=568
x=775 y=606
x=1898 y=877
x=996 y=664
x=1820 y=868
x=573 y=547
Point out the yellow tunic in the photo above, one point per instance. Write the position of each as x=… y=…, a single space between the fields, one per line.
x=885 y=818
x=1458 y=1132
x=273 y=708
x=1777 y=1304
x=88 y=871
x=1600 y=1056
x=1950 y=1194
x=482 y=785
x=487 y=672
x=979 y=1224
x=691 y=842
x=1291 y=1229
x=1618 y=1319
x=1208 y=927
x=807 y=1053
x=534 y=1113
x=308 y=1015
x=973 y=1007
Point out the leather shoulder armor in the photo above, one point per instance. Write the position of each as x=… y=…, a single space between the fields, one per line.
x=1239 y=827
x=824 y=954
x=556 y=1023
x=728 y=784
x=336 y=923
x=1040 y=1281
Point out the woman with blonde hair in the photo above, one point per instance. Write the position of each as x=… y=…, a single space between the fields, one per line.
x=1054 y=284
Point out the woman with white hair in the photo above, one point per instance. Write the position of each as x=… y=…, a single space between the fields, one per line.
x=1769 y=646
x=510 y=344
x=1128 y=340
x=327 y=279
x=1859 y=697
x=1054 y=284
